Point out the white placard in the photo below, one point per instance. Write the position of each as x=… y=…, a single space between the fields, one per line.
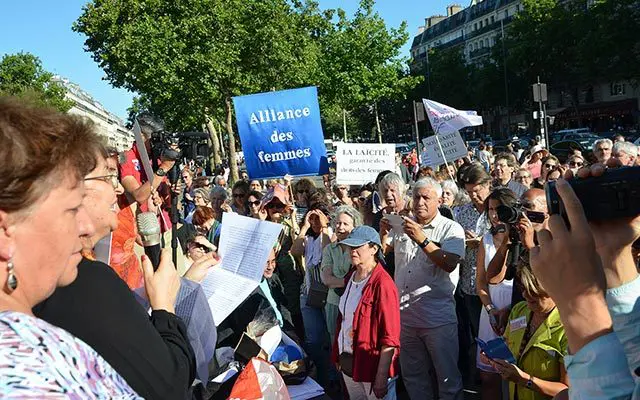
x=452 y=144
x=245 y=244
x=360 y=163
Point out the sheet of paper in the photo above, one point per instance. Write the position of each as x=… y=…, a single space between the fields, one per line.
x=245 y=244
x=396 y=222
x=307 y=390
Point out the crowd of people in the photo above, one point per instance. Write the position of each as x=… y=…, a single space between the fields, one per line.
x=388 y=286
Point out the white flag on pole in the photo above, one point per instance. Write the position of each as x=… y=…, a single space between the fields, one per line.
x=445 y=119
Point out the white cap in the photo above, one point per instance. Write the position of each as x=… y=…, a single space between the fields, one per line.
x=537 y=148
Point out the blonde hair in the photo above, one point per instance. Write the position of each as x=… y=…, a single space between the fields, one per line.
x=528 y=280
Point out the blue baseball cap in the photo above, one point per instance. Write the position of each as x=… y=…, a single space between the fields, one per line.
x=362 y=235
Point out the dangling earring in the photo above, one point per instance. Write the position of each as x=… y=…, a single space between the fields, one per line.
x=12 y=281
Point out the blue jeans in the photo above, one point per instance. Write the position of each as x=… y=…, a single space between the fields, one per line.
x=316 y=341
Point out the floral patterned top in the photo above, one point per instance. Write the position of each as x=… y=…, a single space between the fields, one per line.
x=39 y=360
x=471 y=220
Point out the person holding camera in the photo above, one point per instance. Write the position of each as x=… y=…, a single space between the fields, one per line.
x=587 y=267
x=495 y=297
x=135 y=181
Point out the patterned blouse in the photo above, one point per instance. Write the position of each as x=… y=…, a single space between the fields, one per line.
x=39 y=360
x=471 y=220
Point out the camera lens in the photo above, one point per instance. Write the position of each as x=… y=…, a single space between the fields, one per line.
x=507 y=214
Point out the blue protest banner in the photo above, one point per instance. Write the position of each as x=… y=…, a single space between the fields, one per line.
x=281 y=133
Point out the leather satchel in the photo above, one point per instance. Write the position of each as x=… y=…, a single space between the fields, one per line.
x=346 y=363
x=317 y=296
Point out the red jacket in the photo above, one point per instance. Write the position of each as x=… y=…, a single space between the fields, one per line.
x=376 y=323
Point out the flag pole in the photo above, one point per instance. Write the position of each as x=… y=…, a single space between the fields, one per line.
x=443 y=157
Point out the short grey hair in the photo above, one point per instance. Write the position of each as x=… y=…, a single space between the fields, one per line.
x=430 y=183
x=625 y=147
x=351 y=212
x=601 y=141
x=451 y=186
x=219 y=191
x=391 y=179
x=218 y=178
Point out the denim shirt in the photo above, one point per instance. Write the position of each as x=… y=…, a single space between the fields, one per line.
x=604 y=368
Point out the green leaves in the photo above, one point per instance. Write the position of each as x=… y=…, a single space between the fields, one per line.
x=22 y=75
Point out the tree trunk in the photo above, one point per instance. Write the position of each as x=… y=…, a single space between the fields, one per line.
x=233 y=162
x=213 y=133
x=344 y=124
x=223 y=151
x=375 y=109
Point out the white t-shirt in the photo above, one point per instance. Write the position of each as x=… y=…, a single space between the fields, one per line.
x=348 y=304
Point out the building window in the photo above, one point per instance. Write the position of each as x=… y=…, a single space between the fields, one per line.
x=480 y=24
x=475 y=26
x=506 y=13
x=618 y=89
x=486 y=42
x=486 y=22
x=493 y=19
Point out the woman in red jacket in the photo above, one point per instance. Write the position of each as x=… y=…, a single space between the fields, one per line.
x=368 y=333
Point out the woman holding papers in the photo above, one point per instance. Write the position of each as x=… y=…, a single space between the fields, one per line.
x=537 y=340
x=45 y=158
x=367 y=344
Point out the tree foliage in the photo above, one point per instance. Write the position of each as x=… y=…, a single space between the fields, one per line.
x=22 y=75
x=188 y=58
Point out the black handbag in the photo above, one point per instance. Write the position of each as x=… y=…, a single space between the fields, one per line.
x=346 y=363
x=317 y=295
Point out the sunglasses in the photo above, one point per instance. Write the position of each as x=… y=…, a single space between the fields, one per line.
x=238 y=195
x=112 y=179
x=549 y=166
x=576 y=164
x=272 y=206
x=255 y=203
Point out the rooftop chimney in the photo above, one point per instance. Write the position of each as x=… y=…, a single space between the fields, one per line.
x=453 y=9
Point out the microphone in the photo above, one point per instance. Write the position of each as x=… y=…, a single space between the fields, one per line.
x=149 y=229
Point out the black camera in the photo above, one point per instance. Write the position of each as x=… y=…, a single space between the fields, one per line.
x=176 y=145
x=615 y=194
x=511 y=214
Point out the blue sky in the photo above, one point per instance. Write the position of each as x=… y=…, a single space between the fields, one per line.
x=43 y=27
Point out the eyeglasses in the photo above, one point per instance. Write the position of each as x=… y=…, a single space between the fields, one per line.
x=238 y=195
x=575 y=164
x=271 y=206
x=112 y=179
x=255 y=203
x=522 y=177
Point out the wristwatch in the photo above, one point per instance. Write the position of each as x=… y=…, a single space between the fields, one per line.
x=529 y=383
x=161 y=172
x=489 y=307
x=424 y=243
